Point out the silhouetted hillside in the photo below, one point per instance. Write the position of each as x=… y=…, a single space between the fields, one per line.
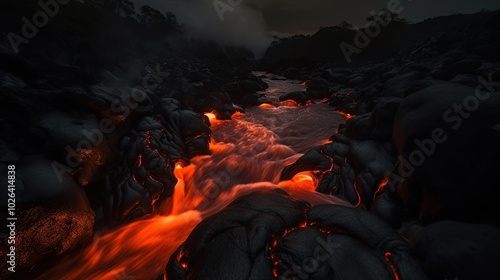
x=470 y=33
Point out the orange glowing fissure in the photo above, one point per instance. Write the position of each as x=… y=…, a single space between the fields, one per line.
x=387 y=257
x=245 y=158
x=346 y=115
x=381 y=187
x=356 y=189
x=273 y=258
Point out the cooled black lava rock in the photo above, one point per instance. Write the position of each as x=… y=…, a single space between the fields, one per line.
x=301 y=97
x=53 y=214
x=269 y=235
x=452 y=250
x=383 y=115
x=396 y=87
x=149 y=152
x=317 y=88
x=218 y=103
x=244 y=92
x=341 y=97
x=447 y=136
x=234 y=244
x=352 y=167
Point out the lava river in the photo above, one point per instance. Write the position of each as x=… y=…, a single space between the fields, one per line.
x=248 y=154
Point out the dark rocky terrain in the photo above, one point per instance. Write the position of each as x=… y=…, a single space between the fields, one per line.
x=97 y=113
x=96 y=119
x=420 y=151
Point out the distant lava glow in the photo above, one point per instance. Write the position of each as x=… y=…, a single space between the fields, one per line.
x=210 y=116
x=266 y=106
x=346 y=115
x=289 y=103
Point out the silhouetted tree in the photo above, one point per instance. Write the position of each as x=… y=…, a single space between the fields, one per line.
x=344 y=26
x=275 y=41
x=172 y=23
x=94 y=3
x=151 y=16
x=388 y=16
x=171 y=19
x=123 y=8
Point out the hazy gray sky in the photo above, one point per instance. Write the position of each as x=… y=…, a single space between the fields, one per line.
x=307 y=16
x=252 y=21
x=295 y=16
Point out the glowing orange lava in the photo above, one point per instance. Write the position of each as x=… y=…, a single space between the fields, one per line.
x=346 y=115
x=210 y=116
x=289 y=103
x=139 y=250
x=325 y=142
x=246 y=157
x=381 y=186
x=387 y=257
x=302 y=176
x=266 y=106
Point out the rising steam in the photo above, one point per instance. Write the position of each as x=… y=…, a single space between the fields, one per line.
x=243 y=26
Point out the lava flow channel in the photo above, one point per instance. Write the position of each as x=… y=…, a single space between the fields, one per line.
x=248 y=154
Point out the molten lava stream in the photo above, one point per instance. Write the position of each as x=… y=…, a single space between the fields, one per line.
x=247 y=155
x=139 y=250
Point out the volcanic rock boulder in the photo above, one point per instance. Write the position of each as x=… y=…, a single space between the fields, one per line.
x=120 y=144
x=148 y=155
x=448 y=140
x=245 y=92
x=52 y=211
x=317 y=88
x=451 y=250
x=349 y=169
x=269 y=235
x=188 y=129
x=218 y=103
x=79 y=141
x=353 y=166
x=292 y=73
x=383 y=115
x=301 y=97
x=398 y=85
x=145 y=175
x=340 y=98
